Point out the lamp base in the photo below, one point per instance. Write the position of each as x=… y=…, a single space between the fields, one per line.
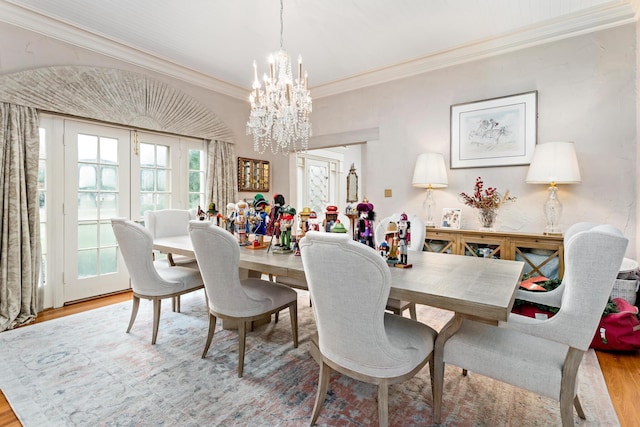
x=552 y=233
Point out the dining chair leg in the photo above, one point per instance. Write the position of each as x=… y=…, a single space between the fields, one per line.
x=157 y=303
x=431 y=373
x=323 y=384
x=293 y=314
x=578 y=406
x=134 y=312
x=412 y=312
x=383 y=404
x=212 y=330
x=242 y=339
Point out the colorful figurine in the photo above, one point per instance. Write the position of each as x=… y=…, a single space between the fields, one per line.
x=212 y=212
x=330 y=217
x=365 y=226
x=303 y=221
x=241 y=223
x=391 y=237
x=200 y=214
x=313 y=221
x=404 y=238
x=338 y=227
x=286 y=224
x=273 y=229
x=383 y=248
x=229 y=218
x=259 y=220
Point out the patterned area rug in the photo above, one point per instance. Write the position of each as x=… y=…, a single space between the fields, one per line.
x=84 y=370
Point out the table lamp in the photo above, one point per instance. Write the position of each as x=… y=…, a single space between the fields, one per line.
x=554 y=163
x=430 y=172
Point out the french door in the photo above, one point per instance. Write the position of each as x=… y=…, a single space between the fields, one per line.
x=90 y=173
x=97 y=177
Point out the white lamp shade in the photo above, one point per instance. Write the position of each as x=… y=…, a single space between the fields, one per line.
x=430 y=171
x=554 y=162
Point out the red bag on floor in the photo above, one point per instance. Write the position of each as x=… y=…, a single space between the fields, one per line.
x=619 y=331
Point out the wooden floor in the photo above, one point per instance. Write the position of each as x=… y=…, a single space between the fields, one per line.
x=621 y=371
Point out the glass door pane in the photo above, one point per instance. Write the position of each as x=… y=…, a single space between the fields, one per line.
x=97 y=165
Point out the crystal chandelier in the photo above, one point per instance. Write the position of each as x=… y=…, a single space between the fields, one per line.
x=280 y=113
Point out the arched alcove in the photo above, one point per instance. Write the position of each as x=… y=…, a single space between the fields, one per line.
x=115 y=96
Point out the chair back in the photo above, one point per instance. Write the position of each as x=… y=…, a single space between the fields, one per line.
x=380 y=232
x=593 y=255
x=349 y=284
x=418 y=233
x=136 y=246
x=218 y=255
x=168 y=222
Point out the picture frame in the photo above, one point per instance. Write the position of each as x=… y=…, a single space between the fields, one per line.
x=451 y=218
x=253 y=174
x=494 y=132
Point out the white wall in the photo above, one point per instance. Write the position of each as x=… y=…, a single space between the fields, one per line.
x=586 y=93
x=22 y=50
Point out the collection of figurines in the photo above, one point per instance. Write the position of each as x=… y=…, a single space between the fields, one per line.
x=251 y=221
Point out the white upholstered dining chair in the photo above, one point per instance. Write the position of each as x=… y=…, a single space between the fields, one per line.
x=543 y=356
x=243 y=301
x=553 y=298
x=349 y=284
x=170 y=223
x=150 y=280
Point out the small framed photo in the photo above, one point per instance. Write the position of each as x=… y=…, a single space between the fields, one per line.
x=494 y=132
x=451 y=218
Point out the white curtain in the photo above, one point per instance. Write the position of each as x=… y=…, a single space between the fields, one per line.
x=20 y=251
x=221 y=175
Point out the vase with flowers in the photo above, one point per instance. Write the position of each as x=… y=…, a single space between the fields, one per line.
x=487 y=200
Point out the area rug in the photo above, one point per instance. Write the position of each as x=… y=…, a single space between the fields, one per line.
x=84 y=370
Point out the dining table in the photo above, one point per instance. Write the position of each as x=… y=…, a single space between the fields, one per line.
x=467 y=285
x=475 y=288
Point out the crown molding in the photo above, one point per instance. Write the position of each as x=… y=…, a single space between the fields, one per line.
x=60 y=30
x=594 y=19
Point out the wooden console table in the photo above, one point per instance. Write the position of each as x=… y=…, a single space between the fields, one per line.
x=542 y=254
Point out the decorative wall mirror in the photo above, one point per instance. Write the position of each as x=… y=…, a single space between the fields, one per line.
x=253 y=175
x=352 y=185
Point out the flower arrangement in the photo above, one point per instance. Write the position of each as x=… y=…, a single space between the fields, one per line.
x=485 y=198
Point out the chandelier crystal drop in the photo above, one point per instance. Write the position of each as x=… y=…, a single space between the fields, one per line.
x=280 y=112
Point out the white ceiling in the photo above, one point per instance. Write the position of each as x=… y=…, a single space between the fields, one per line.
x=345 y=44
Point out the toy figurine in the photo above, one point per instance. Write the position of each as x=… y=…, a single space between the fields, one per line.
x=391 y=237
x=229 y=218
x=273 y=229
x=313 y=221
x=212 y=212
x=200 y=214
x=241 y=223
x=338 y=227
x=404 y=239
x=303 y=221
x=383 y=248
x=330 y=218
x=259 y=221
x=286 y=218
x=365 y=227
